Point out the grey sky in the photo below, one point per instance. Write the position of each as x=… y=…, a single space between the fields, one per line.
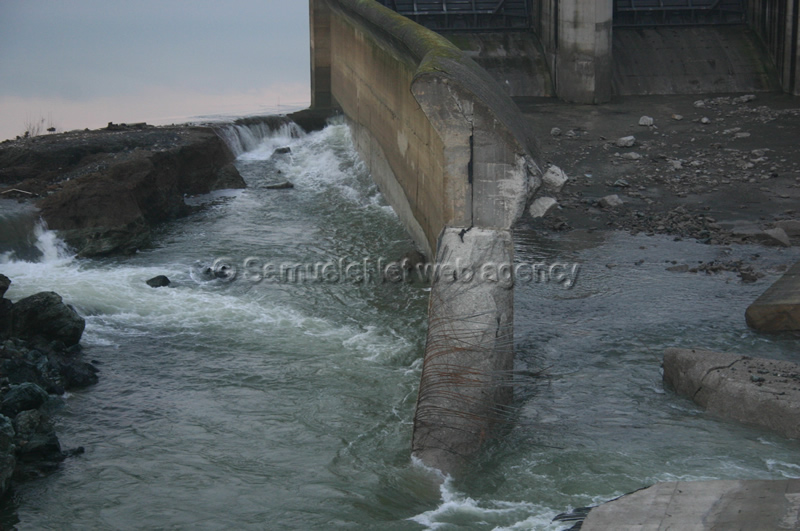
x=76 y=52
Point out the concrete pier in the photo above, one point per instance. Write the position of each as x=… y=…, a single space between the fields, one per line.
x=701 y=506
x=469 y=353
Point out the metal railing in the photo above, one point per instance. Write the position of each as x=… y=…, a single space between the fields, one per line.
x=465 y=15
x=678 y=12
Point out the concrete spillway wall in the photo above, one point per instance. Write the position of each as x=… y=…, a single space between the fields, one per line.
x=445 y=143
x=452 y=154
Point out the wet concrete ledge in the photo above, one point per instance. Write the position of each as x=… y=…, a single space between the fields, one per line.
x=752 y=505
x=778 y=309
x=755 y=391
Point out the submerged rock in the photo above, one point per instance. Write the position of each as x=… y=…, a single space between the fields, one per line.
x=280 y=186
x=161 y=281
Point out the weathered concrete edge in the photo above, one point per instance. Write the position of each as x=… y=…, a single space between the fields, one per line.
x=723 y=504
x=755 y=391
x=778 y=308
x=469 y=354
x=438 y=62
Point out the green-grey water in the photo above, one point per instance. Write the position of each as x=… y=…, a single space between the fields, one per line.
x=288 y=405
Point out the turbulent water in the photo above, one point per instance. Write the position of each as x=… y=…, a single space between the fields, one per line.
x=247 y=401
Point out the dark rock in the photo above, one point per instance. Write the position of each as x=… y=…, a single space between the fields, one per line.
x=35 y=368
x=8 y=460
x=282 y=151
x=6 y=307
x=36 y=439
x=280 y=186
x=78 y=374
x=21 y=398
x=105 y=190
x=229 y=177
x=311 y=119
x=161 y=281
x=5 y=282
x=45 y=315
x=412 y=259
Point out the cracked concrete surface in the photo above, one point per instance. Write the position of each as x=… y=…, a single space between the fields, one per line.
x=756 y=391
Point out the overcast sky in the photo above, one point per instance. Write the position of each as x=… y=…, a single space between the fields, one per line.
x=84 y=63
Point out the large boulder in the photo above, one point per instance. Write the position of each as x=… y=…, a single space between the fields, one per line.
x=45 y=315
x=22 y=398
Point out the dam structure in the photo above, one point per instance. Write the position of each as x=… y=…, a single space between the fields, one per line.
x=453 y=156
x=429 y=89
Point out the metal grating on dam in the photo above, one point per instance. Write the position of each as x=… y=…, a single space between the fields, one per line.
x=465 y=15
x=678 y=12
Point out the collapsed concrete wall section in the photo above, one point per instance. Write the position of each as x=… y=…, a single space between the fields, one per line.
x=453 y=155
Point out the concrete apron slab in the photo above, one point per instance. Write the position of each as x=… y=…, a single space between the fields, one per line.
x=778 y=309
x=466 y=376
x=751 y=505
x=756 y=391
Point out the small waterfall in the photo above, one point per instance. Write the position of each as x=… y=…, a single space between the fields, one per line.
x=249 y=134
x=24 y=236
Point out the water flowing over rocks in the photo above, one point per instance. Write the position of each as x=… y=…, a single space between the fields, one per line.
x=39 y=360
x=104 y=190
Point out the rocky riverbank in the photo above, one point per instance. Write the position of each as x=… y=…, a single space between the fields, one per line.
x=722 y=170
x=104 y=190
x=40 y=359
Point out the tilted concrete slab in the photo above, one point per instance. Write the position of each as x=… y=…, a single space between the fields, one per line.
x=755 y=391
x=751 y=505
x=778 y=309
